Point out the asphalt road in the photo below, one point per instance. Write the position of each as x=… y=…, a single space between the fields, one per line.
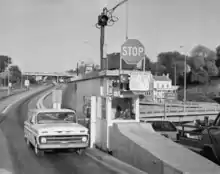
x=26 y=162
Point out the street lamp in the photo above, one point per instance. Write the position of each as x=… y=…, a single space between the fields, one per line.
x=184 y=98
x=174 y=66
x=77 y=66
x=8 y=80
x=21 y=80
x=106 y=19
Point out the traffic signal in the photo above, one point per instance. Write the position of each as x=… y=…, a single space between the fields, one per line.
x=103 y=20
x=124 y=82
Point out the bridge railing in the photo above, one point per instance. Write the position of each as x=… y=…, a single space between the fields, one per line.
x=180 y=103
x=179 y=110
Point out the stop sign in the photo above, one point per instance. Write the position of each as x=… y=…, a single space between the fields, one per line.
x=132 y=51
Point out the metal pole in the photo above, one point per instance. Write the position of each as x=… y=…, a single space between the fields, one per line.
x=102 y=40
x=8 y=78
x=175 y=74
x=126 y=27
x=184 y=83
x=77 y=69
x=105 y=57
x=165 y=116
x=144 y=62
x=21 y=80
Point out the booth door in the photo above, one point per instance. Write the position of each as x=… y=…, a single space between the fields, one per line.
x=102 y=124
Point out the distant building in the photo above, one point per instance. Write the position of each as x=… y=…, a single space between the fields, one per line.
x=113 y=62
x=163 y=90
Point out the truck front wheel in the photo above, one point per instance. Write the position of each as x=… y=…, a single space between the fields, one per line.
x=80 y=151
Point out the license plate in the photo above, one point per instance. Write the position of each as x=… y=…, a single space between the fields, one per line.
x=65 y=145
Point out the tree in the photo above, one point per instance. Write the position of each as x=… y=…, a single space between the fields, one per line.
x=171 y=61
x=71 y=71
x=15 y=73
x=217 y=62
x=157 y=69
x=4 y=62
x=203 y=58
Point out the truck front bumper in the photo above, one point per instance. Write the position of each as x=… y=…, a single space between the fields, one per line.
x=63 y=146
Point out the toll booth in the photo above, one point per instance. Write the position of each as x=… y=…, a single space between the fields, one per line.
x=109 y=97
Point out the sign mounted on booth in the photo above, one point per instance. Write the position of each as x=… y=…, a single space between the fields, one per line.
x=140 y=81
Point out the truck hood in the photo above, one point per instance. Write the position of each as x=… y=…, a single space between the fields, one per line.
x=60 y=128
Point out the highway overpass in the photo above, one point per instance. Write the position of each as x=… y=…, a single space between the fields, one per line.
x=57 y=76
x=52 y=74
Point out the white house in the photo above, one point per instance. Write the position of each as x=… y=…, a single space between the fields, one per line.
x=163 y=89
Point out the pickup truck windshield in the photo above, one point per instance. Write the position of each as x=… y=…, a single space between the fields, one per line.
x=56 y=117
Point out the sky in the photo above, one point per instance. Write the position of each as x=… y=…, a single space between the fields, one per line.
x=53 y=35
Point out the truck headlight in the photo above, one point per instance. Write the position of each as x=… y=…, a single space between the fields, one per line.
x=43 y=140
x=84 y=139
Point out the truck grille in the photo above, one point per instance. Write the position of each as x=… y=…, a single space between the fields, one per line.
x=64 y=139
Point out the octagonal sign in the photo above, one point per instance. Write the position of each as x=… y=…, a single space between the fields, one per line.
x=132 y=51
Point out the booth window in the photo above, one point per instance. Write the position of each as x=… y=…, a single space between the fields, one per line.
x=123 y=109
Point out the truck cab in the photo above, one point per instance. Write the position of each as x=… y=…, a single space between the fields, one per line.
x=210 y=140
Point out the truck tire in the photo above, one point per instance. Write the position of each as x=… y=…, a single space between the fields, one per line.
x=80 y=151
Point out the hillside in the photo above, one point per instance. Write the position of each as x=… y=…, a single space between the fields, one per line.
x=202 y=93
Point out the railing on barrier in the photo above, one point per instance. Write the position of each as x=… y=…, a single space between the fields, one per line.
x=179 y=110
x=144 y=110
x=188 y=104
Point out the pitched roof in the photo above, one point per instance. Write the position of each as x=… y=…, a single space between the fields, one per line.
x=161 y=78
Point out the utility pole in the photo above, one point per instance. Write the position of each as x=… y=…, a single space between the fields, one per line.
x=175 y=74
x=126 y=16
x=8 y=78
x=102 y=42
x=21 y=80
x=106 y=19
x=77 y=69
x=184 y=90
x=184 y=83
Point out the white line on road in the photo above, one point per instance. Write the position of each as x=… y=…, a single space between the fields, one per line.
x=13 y=103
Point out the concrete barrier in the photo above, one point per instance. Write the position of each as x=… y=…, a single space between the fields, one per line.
x=155 y=154
x=40 y=104
x=138 y=145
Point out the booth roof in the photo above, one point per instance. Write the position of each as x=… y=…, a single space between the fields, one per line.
x=106 y=73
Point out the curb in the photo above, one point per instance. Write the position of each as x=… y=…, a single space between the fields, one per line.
x=105 y=164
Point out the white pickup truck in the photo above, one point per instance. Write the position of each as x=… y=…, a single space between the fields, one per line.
x=49 y=129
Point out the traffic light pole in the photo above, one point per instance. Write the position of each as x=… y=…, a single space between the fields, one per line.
x=102 y=42
x=106 y=19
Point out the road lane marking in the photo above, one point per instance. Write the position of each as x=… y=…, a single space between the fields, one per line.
x=13 y=103
x=8 y=107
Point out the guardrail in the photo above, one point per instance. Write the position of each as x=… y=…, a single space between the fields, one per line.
x=187 y=104
x=177 y=111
